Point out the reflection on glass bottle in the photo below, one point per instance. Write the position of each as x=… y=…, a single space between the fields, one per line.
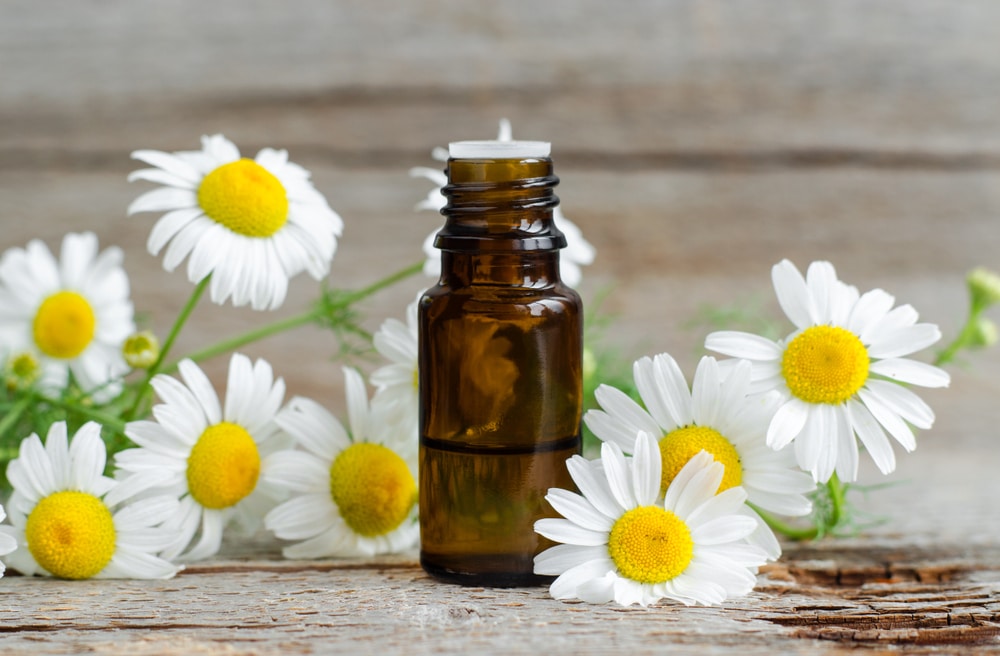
x=500 y=368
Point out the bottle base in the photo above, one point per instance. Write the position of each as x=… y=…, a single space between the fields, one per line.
x=488 y=575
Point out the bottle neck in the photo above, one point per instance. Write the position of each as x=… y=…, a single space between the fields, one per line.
x=500 y=206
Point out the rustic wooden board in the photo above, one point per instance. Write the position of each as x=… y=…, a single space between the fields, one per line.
x=698 y=141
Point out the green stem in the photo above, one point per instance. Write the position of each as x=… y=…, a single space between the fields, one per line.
x=307 y=317
x=144 y=389
x=108 y=420
x=14 y=414
x=963 y=338
x=250 y=336
x=822 y=526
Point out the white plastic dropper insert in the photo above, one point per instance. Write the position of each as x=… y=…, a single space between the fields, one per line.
x=499 y=149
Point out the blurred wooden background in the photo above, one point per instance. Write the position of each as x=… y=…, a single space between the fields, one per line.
x=698 y=142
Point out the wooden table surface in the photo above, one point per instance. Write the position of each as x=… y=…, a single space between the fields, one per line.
x=698 y=142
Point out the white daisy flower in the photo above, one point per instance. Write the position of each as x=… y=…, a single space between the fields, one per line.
x=70 y=316
x=396 y=383
x=7 y=542
x=716 y=415
x=839 y=372
x=578 y=252
x=251 y=224
x=72 y=522
x=622 y=540
x=208 y=455
x=353 y=494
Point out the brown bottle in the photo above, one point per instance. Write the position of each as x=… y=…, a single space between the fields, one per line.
x=500 y=368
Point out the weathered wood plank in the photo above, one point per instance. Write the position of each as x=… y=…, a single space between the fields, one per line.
x=690 y=76
x=812 y=602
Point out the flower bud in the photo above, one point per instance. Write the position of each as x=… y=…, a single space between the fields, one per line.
x=141 y=350
x=984 y=333
x=984 y=286
x=21 y=371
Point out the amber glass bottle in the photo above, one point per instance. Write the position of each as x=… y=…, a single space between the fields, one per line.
x=500 y=368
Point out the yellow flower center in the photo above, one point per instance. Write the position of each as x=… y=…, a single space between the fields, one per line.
x=245 y=197
x=825 y=364
x=71 y=535
x=223 y=466
x=681 y=444
x=64 y=325
x=373 y=488
x=650 y=545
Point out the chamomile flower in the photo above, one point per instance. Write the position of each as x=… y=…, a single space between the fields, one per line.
x=67 y=317
x=353 y=494
x=397 y=382
x=578 y=252
x=252 y=224
x=716 y=415
x=623 y=541
x=7 y=542
x=72 y=522
x=839 y=373
x=207 y=454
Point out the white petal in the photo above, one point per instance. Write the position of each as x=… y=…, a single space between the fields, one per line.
x=743 y=345
x=162 y=177
x=904 y=341
x=302 y=517
x=168 y=226
x=336 y=541
x=821 y=278
x=145 y=512
x=723 y=530
x=888 y=418
x=787 y=423
x=912 y=372
x=903 y=402
x=212 y=523
x=88 y=456
x=647 y=465
x=793 y=295
x=870 y=309
x=720 y=506
x=357 y=404
x=163 y=199
x=565 y=531
x=563 y=557
x=169 y=163
x=567 y=585
x=664 y=390
x=872 y=436
x=131 y=564
x=697 y=481
x=578 y=510
x=312 y=426
x=618 y=474
x=816 y=447
x=705 y=399
x=847 y=446
x=594 y=487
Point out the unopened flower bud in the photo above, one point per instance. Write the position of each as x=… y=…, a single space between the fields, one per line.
x=21 y=371
x=984 y=334
x=984 y=285
x=141 y=350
